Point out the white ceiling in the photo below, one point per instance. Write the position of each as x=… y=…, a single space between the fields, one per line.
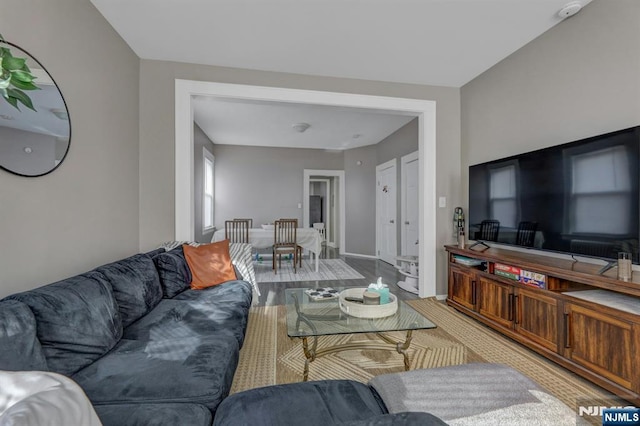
x=433 y=42
x=253 y=123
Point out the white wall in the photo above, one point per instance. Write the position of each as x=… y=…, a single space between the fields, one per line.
x=85 y=213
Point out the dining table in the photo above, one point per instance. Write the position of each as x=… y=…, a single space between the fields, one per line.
x=307 y=238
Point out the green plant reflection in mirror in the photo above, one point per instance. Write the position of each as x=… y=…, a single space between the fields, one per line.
x=35 y=130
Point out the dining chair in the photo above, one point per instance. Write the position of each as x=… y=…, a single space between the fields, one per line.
x=526 y=234
x=285 y=241
x=249 y=220
x=299 y=247
x=319 y=226
x=237 y=230
x=489 y=230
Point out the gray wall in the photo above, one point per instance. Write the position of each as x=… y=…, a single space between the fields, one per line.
x=398 y=144
x=360 y=200
x=264 y=184
x=157 y=130
x=581 y=78
x=86 y=212
x=200 y=141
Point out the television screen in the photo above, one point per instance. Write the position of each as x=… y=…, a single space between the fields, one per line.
x=580 y=198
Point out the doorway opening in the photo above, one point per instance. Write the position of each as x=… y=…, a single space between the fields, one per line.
x=336 y=204
x=425 y=110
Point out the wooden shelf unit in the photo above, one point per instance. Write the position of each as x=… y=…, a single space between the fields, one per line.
x=596 y=336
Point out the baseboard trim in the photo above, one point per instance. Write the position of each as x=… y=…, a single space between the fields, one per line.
x=368 y=256
x=441 y=296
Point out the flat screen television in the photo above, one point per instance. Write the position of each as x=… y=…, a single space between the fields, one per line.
x=580 y=198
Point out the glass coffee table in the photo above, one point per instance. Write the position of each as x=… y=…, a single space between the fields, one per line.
x=308 y=318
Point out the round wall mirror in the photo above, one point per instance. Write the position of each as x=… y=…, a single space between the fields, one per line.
x=35 y=132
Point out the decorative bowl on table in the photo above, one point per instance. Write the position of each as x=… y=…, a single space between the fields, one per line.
x=361 y=310
x=268 y=226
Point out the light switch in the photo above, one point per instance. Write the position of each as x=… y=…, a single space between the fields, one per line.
x=299 y=205
x=442 y=202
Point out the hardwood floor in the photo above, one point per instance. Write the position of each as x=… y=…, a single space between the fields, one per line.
x=273 y=293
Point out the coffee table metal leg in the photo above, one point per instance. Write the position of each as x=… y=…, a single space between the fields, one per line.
x=310 y=356
x=401 y=347
x=312 y=353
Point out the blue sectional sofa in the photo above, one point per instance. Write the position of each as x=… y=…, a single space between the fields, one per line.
x=468 y=394
x=144 y=347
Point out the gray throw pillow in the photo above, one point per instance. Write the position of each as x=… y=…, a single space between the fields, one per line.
x=175 y=276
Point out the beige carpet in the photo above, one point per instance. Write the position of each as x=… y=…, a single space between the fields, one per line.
x=269 y=356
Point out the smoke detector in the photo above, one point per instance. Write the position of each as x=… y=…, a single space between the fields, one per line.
x=301 y=127
x=570 y=9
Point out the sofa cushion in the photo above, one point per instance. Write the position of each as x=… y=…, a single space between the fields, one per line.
x=399 y=419
x=175 y=276
x=218 y=310
x=78 y=320
x=318 y=403
x=210 y=264
x=135 y=284
x=154 y=414
x=19 y=346
x=163 y=369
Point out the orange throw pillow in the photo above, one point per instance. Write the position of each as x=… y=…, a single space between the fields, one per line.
x=210 y=264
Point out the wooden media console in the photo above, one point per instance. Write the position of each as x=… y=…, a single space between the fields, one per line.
x=587 y=322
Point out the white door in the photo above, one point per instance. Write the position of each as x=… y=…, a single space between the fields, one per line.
x=386 y=201
x=409 y=205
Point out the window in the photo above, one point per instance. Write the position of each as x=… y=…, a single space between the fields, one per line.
x=503 y=195
x=601 y=185
x=208 y=185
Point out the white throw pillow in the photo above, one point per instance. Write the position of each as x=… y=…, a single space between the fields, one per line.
x=43 y=399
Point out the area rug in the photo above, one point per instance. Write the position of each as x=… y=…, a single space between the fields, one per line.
x=328 y=269
x=270 y=357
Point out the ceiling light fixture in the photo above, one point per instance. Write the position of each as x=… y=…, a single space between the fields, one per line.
x=570 y=9
x=301 y=127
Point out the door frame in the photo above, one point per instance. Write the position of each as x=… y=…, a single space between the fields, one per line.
x=326 y=209
x=406 y=159
x=393 y=163
x=342 y=215
x=424 y=109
